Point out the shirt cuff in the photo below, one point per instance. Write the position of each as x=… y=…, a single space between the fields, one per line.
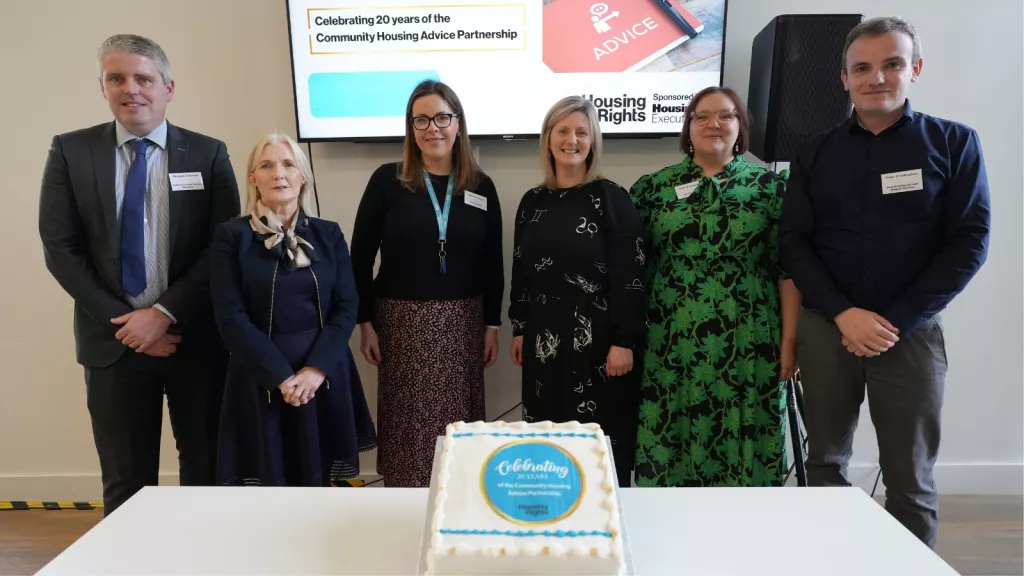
x=903 y=317
x=166 y=312
x=834 y=305
x=495 y=327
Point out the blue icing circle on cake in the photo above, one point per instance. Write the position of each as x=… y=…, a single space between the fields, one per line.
x=532 y=482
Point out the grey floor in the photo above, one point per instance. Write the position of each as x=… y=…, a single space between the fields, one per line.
x=982 y=535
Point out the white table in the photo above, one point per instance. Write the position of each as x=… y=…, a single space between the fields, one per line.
x=682 y=531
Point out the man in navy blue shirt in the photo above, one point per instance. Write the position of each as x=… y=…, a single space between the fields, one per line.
x=885 y=221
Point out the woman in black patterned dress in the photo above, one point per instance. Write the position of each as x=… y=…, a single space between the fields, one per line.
x=577 y=300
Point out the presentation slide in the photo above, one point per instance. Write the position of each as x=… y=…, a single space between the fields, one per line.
x=355 y=62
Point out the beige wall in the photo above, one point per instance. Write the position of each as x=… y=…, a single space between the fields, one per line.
x=231 y=64
x=233 y=81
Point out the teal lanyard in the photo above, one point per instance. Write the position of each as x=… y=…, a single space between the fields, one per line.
x=442 y=217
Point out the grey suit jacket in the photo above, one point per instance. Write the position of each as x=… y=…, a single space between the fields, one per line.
x=81 y=237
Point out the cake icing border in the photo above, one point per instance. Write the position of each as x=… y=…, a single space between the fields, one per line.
x=612 y=549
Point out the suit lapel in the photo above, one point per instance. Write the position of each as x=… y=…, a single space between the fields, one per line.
x=177 y=161
x=104 y=149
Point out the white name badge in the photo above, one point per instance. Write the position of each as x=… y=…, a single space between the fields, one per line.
x=906 y=181
x=684 y=190
x=476 y=200
x=186 y=181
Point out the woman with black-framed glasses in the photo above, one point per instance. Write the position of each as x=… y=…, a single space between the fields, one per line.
x=429 y=320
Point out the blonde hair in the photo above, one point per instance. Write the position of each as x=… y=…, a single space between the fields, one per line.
x=556 y=114
x=252 y=194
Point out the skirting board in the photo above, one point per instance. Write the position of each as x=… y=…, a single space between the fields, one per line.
x=974 y=479
x=980 y=479
x=87 y=487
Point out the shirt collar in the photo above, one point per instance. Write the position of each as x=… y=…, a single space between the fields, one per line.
x=906 y=117
x=158 y=136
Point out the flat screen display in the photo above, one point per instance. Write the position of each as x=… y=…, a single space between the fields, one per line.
x=355 y=62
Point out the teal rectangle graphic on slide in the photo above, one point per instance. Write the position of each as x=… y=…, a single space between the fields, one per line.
x=362 y=94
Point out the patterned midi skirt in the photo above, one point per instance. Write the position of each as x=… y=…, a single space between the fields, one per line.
x=431 y=374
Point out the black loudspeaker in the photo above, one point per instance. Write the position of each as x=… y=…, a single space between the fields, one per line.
x=795 y=90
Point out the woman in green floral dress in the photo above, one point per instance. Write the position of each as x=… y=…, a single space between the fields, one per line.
x=722 y=316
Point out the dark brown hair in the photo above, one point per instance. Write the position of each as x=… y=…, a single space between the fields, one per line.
x=464 y=166
x=742 y=116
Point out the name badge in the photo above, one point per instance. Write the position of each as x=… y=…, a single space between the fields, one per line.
x=476 y=200
x=906 y=181
x=186 y=181
x=685 y=190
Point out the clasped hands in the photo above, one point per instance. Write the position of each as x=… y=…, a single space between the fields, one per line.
x=145 y=331
x=302 y=386
x=866 y=334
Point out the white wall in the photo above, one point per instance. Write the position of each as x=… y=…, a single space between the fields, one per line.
x=972 y=73
x=234 y=83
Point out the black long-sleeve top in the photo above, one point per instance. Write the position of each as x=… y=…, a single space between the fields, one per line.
x=402 y=226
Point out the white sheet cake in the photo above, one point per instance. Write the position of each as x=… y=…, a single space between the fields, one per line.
x=519 y=498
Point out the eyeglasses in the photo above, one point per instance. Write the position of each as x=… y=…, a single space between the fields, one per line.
x=705 y=117
x=441 y=121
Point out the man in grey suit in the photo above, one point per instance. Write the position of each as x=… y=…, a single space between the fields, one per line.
x=126 y=215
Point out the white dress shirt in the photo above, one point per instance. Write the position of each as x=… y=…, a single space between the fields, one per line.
x=157 y=212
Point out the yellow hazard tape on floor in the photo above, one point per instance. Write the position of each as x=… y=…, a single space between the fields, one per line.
x=35 y=505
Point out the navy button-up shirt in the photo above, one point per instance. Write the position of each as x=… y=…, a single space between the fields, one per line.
x=898 y=249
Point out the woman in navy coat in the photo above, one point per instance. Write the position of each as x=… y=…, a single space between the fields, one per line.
x=294 y=412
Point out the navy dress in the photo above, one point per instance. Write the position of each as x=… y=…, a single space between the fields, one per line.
x=264 y=440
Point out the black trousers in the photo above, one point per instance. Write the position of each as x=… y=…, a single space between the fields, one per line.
x=125 y=403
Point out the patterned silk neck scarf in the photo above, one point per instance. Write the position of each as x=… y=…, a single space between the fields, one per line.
x=285 y=243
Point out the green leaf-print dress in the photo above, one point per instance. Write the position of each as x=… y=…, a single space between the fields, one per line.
x=712 y=409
